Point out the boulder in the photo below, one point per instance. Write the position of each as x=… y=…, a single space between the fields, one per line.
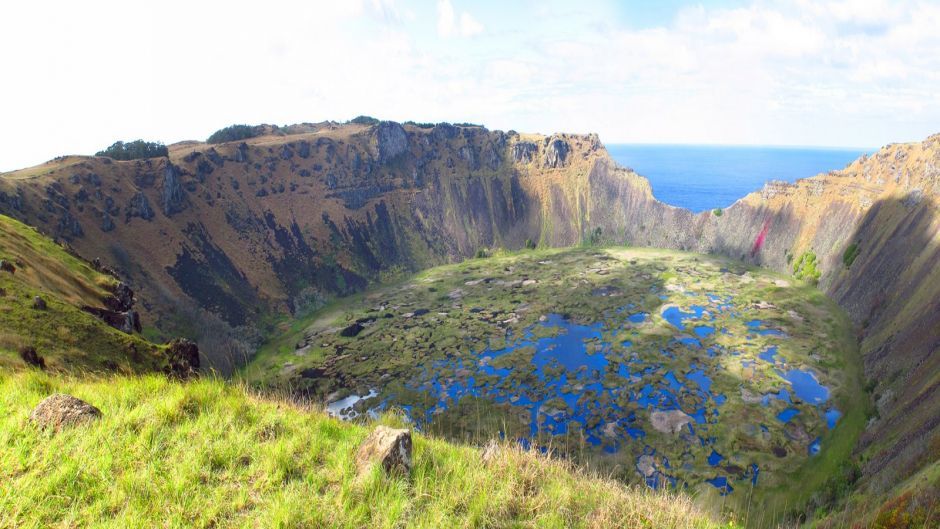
x=39 y=303
x=646 y=465
x=669 y=421
x=29 y=355
x=182 y=358
x=388 y=447
x=60 y=411
x=352 y=330
x=7 y=266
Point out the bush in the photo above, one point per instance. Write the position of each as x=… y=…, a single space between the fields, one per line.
x=420 y=125
x=134 y=150
x=482 y=253
x=234 y=133
x=529 y=244
x=848 y=257
x=717 y=212
x=364 y=120
x=805 y=268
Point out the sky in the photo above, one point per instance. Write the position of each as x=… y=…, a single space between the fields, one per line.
x=77 y=76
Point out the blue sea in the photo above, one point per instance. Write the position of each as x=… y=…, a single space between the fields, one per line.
x=704 y=177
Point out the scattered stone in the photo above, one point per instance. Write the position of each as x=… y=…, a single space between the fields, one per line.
x=7 y=266
x=39 y=303
x=29 y=355
x=60 y=411
x=352 y=330
x=389 y=447
x=183 y=358
x=749 y=397
x=669 y=421
x=646 y=465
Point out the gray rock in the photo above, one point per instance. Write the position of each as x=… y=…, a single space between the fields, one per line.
x=524 y=151
x=173 y=195
x=556 y=152
x=241 y=153
x=669 y=421
x=646 y=465
x=60 y=411
x=139 y=207
x=390 y=140
x=388 y=447
x=183 y=358
x=39 y=303
x=107 y=223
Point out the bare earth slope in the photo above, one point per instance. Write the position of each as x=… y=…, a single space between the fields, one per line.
x=218 y=238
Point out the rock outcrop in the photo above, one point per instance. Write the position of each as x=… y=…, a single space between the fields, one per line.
x=388 y=447
x=173 y=194
x=390 y=140
x=182 y=358
x=61 y=411
x=29 y=355
x=556 y=152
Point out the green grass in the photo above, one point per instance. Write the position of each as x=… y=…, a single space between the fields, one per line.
x=210 y=454
x=851 y=252
x=64 y=335
x=45 y=265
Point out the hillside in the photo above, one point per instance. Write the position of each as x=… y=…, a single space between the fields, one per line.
x=224 y=241
x=46 y=303
x=210 y=454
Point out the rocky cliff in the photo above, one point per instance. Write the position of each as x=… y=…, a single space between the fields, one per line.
x=218 y=238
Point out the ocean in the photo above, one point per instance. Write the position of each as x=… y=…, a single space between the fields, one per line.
x=704 y=177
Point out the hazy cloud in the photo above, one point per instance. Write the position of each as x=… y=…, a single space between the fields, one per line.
x=79 y=76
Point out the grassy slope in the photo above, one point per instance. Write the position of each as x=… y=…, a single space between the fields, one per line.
x=68 y=338
x=209 y=454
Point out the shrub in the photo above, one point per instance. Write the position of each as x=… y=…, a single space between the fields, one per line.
x=420 y=125
x=717 y=212
x=805 y=268
x=364 y=120
x=529 y=244
x=134 y=150
x=482 y=253
x=848 y=257
x=234 y=133
x=593 y=238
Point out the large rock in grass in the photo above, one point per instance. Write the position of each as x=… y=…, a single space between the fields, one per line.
x=669 y=421
x=182 y=358
x=389 y=447
x=60 y=411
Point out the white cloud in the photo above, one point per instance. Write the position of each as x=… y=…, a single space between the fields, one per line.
x=77 y=78
x=449 y=24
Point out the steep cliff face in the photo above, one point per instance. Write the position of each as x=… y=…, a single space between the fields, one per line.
x=875 y=233
x=215 y=238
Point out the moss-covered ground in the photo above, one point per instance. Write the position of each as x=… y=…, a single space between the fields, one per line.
x=481 y=349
